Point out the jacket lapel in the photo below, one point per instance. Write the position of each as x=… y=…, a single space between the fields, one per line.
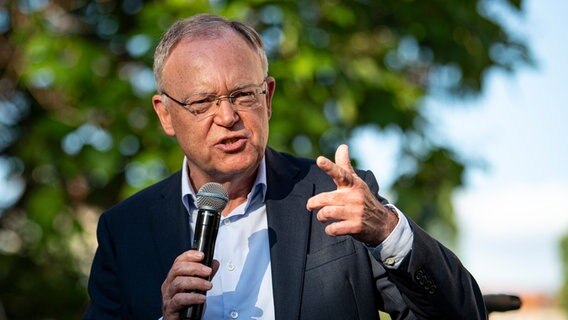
x=288 y=227
x=170 y=223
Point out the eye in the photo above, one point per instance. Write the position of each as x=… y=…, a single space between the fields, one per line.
x=244 y=97
x=201 y=105
x=244 y=93
x=204 y=100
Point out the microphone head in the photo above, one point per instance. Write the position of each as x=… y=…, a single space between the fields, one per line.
x=212 y=196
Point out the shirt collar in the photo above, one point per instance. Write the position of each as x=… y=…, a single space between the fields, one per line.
x=188 y=194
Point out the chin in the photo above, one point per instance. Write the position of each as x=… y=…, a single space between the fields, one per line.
x=241 y=163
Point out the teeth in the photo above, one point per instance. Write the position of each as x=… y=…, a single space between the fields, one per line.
x=230 y=141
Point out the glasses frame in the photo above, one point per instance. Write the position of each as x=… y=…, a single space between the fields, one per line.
x=217 y=100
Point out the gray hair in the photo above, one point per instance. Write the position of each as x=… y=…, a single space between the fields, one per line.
x=203 y=26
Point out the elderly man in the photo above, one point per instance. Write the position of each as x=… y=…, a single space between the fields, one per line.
x=299 y=239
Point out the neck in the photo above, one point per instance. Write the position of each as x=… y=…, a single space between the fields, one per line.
x=238 y=186
x=237 y=195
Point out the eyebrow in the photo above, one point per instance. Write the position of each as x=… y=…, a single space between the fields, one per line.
x=211 y=93
x=243 y=86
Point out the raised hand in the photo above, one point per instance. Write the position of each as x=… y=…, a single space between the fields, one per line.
x=353 y=209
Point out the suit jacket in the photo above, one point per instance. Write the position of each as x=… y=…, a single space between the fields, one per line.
x=315 y=276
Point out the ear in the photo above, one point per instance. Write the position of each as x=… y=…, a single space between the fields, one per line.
x=163 y=114
x=270 y=88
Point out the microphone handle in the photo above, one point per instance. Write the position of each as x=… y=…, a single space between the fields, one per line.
x=206 y=228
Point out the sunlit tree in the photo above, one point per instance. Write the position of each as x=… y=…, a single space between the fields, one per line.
x=78 y=133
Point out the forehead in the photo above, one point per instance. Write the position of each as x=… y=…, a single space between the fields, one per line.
x=223 y=59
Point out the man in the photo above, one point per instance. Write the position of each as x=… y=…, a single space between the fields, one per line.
x=299 y=239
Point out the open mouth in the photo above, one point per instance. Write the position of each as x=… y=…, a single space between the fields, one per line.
x=230 y=141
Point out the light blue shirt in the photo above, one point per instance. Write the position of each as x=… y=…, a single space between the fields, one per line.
x=242 y=287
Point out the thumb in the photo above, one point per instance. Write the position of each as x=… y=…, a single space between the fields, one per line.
x=342 y=158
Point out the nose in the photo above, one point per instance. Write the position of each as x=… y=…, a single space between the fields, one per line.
x=226 y=115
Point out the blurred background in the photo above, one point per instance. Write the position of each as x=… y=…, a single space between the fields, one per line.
x=458 y=108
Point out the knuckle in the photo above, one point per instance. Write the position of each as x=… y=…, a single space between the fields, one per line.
x=358 y=203
x=360 y=196
x=179 y=259
x=194 y=283
x=165 y=287
x=177 y=269
x=342 y=176
x=177 y=285
x=177 y=300
x=321 y=215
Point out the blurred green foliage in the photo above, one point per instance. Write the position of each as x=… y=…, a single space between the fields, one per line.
x=78 y=133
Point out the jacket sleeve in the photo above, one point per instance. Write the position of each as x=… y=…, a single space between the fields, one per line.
x=431 y=280
x=435 y=284
x=103 y=285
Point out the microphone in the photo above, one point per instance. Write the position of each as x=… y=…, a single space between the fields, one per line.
x=501 y=302
x=210 y=200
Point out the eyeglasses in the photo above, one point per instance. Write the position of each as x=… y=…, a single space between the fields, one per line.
x=201 y=106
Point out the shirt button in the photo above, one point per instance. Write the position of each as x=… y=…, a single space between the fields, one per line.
x=230 y=267
x=226 y=222
x=234 y=314
x=390 y=261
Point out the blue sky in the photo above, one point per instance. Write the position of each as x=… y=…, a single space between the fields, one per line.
x=514 y=210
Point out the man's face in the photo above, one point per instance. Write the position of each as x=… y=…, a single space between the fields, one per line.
x=229 y=144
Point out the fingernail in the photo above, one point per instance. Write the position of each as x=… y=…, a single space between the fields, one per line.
x=199 y=255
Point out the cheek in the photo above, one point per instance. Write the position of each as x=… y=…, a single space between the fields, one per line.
x=188 y=133
x=262 y=130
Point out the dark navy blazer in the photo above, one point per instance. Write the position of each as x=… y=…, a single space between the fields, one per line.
x=314 y=276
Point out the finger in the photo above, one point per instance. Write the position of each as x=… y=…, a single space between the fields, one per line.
x=188 y=284
x=189 y=269
x=346 y=207
x=321 y=200
x=330 y=213
x=173 y=306
x=190 y=256
x=341 y=228
x=341 y=171
x=184 y=299
x=340 y=176
x=341 y=197
x=189 y=264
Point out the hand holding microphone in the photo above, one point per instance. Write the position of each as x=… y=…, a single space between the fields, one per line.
x=188 y=279
x=211 y=200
